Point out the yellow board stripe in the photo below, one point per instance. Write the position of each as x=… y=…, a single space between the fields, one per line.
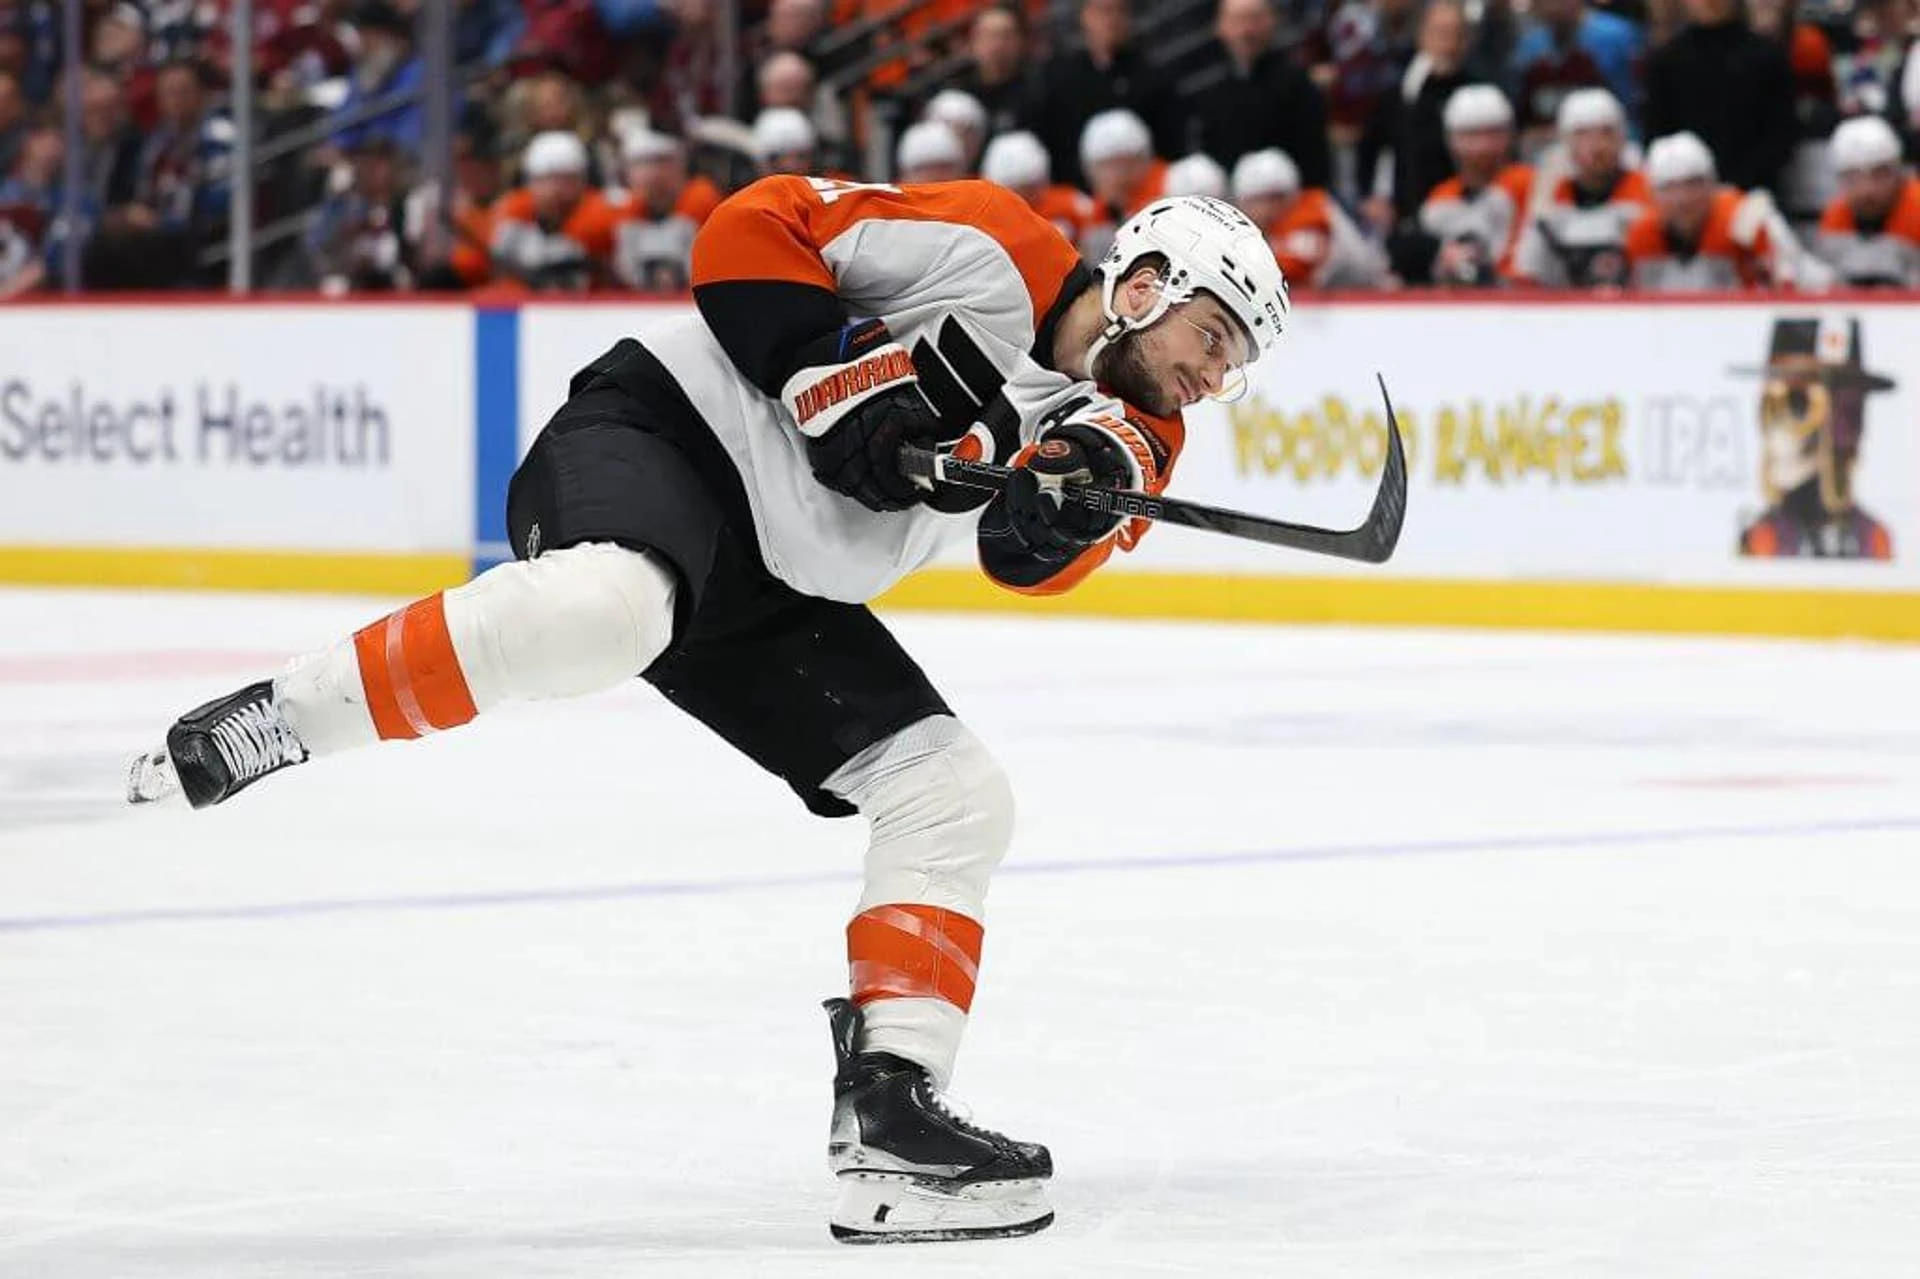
x=1579 y=606
x=184 y=568
x=1362 y=600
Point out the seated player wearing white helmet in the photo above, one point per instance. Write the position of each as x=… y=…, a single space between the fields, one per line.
x=1700 y=236
x=961 y=112
x=1576 y=231
x=784 y=141
x=556 y=233
x=930 y=152
x=1123 y=174
x=1018 y=162
x=1870 y=232
x=1469 y=224
x=1197 y=174
x=1311 y=236
x=713 y=507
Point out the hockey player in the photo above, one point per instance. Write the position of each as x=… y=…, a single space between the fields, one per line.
x=713 y=506
x=1700 y=236
x=1469 y=223
x=1576 y=231
x=1870 y=232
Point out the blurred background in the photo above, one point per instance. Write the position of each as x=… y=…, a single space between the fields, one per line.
x=355 y=146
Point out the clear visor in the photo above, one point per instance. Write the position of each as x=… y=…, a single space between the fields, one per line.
x=1226 y=347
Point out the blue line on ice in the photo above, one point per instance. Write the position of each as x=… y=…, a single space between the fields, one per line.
x=723 y=887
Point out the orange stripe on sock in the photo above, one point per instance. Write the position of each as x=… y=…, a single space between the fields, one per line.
x=410 y=672
x=910 y=951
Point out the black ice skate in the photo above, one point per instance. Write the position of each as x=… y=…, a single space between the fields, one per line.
x=218 y=750
x=912 y=1171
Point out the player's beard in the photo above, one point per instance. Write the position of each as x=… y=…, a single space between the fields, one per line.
x=1121 y=368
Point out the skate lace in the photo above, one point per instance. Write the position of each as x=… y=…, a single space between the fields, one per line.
x=962 y=1116
x=254 y=740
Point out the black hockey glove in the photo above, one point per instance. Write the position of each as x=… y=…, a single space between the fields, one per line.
x=857 y=400
x=1075 y=453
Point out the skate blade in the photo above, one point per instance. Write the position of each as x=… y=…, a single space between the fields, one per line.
x=893 y=1208
x=151 y=778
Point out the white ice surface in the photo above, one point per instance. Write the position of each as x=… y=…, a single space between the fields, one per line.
x=1319 y=953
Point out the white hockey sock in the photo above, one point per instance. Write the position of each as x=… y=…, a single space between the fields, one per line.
x=570 y=622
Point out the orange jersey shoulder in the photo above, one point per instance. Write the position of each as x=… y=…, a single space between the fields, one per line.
x=1517 y=181
x=1837 y=217
x=698 y=199
x=1904 y=221
x=776 y=228
x=1151 y=188
x=1717 y=235
x=1069 y=208
x=1647 y=237
x=590 y=223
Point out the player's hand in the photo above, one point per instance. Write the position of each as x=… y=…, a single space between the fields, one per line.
x=857 y=401
x=1075 y=453
x=860 y=455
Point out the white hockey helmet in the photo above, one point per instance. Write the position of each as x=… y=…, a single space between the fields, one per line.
x=1197 y=174
x=1679 y=157
x=1865 y=142
x=1209 y=245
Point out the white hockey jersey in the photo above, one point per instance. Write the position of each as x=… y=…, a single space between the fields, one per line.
x=965 y=275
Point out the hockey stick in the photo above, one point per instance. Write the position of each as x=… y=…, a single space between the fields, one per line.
x=1371 y=543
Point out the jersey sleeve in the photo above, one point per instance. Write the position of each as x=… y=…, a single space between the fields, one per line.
x=1009 y=563
x=769 y=289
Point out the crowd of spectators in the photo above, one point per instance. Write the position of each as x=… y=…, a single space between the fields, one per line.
x=1656 y=144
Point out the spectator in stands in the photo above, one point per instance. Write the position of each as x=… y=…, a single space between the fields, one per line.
x=795 y=26
x=998 y=77
x=485 y=32
x=556 y=233
x=1576 y=232
x=1359 y=55
x=1731 y=87
x=185 y=168
x=787 y=79
x=354 y=239
x=1470 y=223
x=930 y=152
x=1806 y=184
x=1406 y=127
x=962 y=113
x=1699 y=236
x=1196 y=174
x=30 y=46
x=690 y=85
x=112 y=158
x=13 y=120
x=1116 y=154
x=118 y=46
x=1110 y=73
x=1262 y=98
x=386 y=64
x=551 y=102
x=660 y=212
x=455 y=253
x=29 y=205
x=1870 y=234
x=1569 y=45
x=784 y=141
x=1315 y=242
x=1019 y=162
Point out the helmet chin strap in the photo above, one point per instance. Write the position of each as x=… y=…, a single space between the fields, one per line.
x=1118 y=325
